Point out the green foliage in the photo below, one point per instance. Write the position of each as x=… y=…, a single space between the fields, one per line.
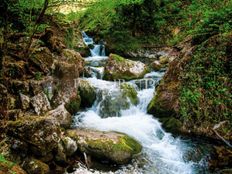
x=206 y=92
x=38 y=76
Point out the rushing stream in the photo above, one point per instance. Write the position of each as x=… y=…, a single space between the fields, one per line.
x=162 y=153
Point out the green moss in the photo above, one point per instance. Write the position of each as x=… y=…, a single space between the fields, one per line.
x=130 y=92
x=131 y=144
x=117 y=58
x=73 y=105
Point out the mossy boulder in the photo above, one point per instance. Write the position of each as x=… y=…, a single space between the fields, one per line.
x=7 y=167
x=41 y=60
x=87 y=93
x=118 y=67
x=111 y=105
x=73 y=105
x=115 y=147
x=129 y=91
x=40 y=133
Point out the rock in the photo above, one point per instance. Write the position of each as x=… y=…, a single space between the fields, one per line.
x=70 y=146
x=18 y=86
x=129 y=91
x=156 y=65
x=71 y=56
x=40 y=103
x=66 y=71
x=62 y=116
x=74 y=104
x=221 y=158
x=87 y=93
x=40 y=133
x=164 y=59
x=11 y=102
x=119 y=68
x=15 y=70
x=116 y=147
x=7 y=167
x=38 y=86
x=25 y=101
x=41 y=60
x=34 y=166
x=53 y=41
x=70 y=66
x=60 y=157
x=111 y=105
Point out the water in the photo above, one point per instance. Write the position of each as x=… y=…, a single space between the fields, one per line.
x=162 y=153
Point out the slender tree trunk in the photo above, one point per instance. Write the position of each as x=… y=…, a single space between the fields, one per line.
x=34 y=30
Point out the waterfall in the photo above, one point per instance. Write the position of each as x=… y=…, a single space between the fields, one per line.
x=162 y=153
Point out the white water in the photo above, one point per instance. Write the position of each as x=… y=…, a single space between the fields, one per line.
x=162 y=154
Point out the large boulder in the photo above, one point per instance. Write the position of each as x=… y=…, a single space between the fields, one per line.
x=87 y=93
x=116 y=147
x=112 y=105
x=40 y=103
x=40 y=135
x=129 y=91
x=70 y=66
x=119 y=68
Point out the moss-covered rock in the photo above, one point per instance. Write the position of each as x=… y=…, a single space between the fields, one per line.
x=40 y=103
x=129 y=91
x=119 y=68
x=40 y=133
x=73 y=105
x=41 y=60
x=87 y=93
x=34 y=166
x=61 y=115
x=116 y=147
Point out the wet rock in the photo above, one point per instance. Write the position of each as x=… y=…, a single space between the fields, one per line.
x=7 y=167
x=41 y=60
x=129 y=91
x=73 y=106
x=156 y=65
x=70 y=146
x=40 y=103
x=62 y=116
x=111 y=105
x=116 y=147
x=119 y=68
x=87 y=93
x=25 y=101
x=40 y=133
x=34 y=166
